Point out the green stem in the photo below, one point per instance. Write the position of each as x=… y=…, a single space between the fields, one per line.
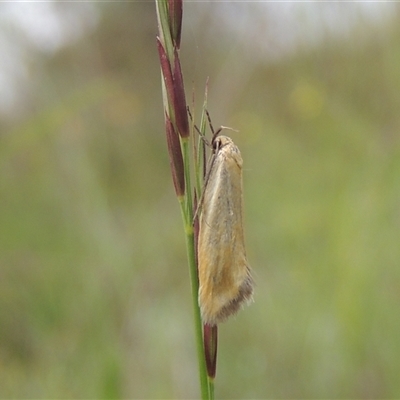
x=187 y=215
x=211 y=388
x=197 y=317
x=189 y=200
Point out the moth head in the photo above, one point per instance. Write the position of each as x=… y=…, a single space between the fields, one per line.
x=220 y=141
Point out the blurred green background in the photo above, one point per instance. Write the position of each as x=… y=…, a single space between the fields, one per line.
x=94 y=286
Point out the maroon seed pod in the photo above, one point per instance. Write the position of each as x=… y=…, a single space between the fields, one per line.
x=210 y=338
x=175 y=20
x=175 y=157
x=181 y=116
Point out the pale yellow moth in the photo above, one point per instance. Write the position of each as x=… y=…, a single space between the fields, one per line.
x=225 y=281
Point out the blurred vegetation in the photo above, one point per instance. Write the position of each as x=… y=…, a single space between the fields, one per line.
x=94 y=287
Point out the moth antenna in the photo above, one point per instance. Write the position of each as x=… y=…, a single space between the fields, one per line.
x=198 y=130
x=210 y=123
x=219 y=130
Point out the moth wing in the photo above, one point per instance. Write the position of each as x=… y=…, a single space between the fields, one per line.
x=224 y=274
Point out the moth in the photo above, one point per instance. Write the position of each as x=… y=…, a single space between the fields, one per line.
x=225 y=280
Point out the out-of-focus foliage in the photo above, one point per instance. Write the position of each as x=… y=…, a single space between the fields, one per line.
x=94 y=287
